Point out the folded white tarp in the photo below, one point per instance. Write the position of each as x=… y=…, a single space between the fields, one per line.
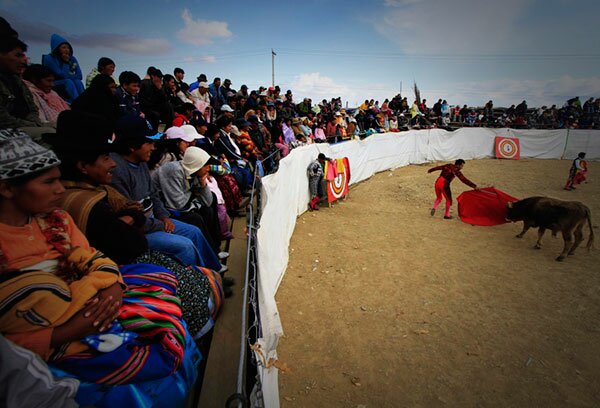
x=285 y=194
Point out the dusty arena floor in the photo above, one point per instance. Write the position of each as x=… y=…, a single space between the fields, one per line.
x=385 y=306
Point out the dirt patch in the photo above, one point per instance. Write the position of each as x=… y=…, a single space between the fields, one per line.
x=384 y=306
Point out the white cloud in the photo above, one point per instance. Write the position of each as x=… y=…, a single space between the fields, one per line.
x=318 y=87
x=462 y=26
x=208 y=59
x=201 y=32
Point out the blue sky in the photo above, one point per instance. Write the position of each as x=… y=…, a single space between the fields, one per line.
x=465 y=51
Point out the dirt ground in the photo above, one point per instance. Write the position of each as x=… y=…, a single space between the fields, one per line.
x=384 y=306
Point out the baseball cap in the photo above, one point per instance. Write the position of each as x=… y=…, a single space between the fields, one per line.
x=178 y=133
x=132 y=126
x=226 y=108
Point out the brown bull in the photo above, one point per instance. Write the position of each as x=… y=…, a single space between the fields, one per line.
x=568 y=217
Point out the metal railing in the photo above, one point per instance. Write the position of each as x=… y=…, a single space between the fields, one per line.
x=248 y=378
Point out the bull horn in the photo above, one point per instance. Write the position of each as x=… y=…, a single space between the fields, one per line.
x=509 y=204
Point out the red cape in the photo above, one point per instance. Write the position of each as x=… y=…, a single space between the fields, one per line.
x=484 y=207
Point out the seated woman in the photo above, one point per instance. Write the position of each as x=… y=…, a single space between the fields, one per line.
x=184 y=190
x=120 y=328
x=40 y=80
x=222 y=172
x=100 y=99
x=115 y=225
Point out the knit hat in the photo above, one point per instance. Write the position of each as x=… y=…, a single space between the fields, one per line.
x=20 y=156
x=194 y=159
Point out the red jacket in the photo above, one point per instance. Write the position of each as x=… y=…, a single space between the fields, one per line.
x=449 y=171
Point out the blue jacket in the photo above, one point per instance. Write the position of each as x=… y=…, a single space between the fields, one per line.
x=61 y=69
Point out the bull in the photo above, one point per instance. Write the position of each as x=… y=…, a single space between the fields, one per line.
x=544 y=213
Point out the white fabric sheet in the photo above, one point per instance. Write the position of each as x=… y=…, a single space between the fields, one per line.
x=286 y=196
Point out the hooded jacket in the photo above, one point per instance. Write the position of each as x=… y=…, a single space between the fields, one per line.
x=61 y=69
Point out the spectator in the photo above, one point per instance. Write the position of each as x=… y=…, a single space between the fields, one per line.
x=170 y=89
x=105 y=66
x=131 y=177
x=200 y=78
x=64 y=66
x=33 y=232
x=243 y=92
x=154 y=101
x=183 y=114
x=183 y=187
x=100 y=99
x=17 y=108
x=217 y=99
x=200 y=94
x=223 y=174
x=127 y=94
x=179 y=74
x=40 y=81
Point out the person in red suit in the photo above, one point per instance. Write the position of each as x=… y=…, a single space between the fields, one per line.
x=442 y=184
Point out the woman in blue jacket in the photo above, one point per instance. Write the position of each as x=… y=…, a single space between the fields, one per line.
x=65 y=68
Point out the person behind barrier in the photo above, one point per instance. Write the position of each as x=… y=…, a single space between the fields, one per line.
x=315 y=181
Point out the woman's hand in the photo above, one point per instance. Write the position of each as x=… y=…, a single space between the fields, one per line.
x=94 y=318
x=104 y=307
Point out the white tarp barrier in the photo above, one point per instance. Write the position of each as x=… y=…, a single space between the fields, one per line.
x=285 y=194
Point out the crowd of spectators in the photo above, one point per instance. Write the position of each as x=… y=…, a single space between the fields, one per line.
x=147 y=173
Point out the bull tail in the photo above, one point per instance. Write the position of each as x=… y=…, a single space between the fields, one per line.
x=590 y=243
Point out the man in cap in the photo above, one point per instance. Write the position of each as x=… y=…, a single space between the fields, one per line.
x=199 y=78
x=200 y=94
x=243 y=92
x=131 y=177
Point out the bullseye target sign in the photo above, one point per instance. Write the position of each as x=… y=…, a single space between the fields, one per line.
x=337 y=187
x=507 y=148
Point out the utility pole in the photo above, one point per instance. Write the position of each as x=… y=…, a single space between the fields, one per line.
x=273 y=54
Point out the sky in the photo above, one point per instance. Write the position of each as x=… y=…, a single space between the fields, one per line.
x=464 y=51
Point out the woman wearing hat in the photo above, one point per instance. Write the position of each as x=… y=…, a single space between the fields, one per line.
x=114 y=224
x=183 y=186
x=71 y=304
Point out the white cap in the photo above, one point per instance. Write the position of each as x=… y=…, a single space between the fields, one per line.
x=175 y=132
x=194 y=159
x=191 y=132
x=226 y=108
x=202 y=85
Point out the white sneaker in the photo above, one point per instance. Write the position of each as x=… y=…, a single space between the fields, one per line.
x=224 y=268
x=223 y=255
